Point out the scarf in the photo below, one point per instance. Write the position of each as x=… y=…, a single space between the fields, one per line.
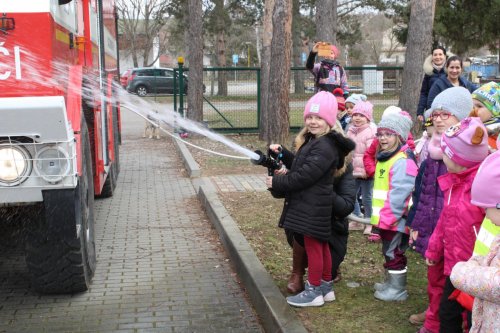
x=436 y=67
x=356 y=130
x=434 y=147
x=383 y=156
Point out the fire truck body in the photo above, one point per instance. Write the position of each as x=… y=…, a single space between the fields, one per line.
x=59 y=130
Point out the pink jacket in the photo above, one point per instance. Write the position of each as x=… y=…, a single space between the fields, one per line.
x=363 y=137
x=480 y=277
x=369 y=157
x=455 y=233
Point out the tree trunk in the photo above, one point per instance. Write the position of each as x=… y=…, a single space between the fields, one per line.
x=418 y=46
x=326 y=21
x=267 y=36
x=298 y=75
x=220 y=48
x=195 y=55
x=278 y=124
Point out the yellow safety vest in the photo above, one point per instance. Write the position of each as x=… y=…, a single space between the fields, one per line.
x=381 y=185
x=485 y=237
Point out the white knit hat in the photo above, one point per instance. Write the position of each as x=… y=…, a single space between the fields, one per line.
x=355 y=98
x=456 y=100
x=398 y=123
x=391 y=110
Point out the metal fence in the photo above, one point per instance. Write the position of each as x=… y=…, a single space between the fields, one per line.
x=232 y=95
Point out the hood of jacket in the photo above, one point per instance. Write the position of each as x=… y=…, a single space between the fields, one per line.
x=344 y=146
x=428 y=69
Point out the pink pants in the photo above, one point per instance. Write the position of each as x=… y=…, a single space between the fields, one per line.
x=319 y=260
x=436 y=279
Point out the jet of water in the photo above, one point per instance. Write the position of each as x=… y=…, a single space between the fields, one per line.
x=159 y=115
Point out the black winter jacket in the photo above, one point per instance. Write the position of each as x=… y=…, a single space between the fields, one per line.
x=308 y=186
x=344 y=196
x=427 y=83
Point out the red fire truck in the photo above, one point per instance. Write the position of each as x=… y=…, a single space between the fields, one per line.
x=59 y=131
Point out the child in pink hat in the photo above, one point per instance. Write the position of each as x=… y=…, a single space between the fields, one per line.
x=480 y=275
x=306 y=183
x=362 y=133
x=464 y=147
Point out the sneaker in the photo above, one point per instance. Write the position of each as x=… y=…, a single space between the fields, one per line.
x=311 y=296
x=327 y=291
x=417 y=319
x=374 y=238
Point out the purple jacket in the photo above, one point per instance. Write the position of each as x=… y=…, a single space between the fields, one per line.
x=429 y=203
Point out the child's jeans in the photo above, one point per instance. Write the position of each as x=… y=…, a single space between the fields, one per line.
x=319 y=260
x=435 y=279
x=394 y=245
x=366 y=188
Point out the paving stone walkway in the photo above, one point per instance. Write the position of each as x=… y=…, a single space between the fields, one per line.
x=160 y=266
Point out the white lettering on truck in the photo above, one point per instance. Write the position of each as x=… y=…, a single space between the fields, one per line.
x=17 y=61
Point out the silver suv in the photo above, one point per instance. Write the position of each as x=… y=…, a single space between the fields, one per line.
x=146 y=80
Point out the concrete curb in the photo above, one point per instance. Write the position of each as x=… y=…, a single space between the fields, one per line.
x=190 y=164
x=275 y=314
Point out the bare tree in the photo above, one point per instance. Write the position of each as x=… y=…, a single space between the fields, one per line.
x=195 y=58
x=221 y=21
x=326 y=20
x=278 y=122
x=267 y=38
x=141 y=24
x=379 y=39
x=418 y=46
x=298 y=76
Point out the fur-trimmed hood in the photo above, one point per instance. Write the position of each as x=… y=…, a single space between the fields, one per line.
x=345 y=147
x=428 y=69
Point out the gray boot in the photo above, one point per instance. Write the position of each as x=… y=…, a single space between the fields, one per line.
x=381 y=286
x=396 y=289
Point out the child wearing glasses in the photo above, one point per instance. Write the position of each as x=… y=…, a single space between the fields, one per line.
x=448 y=108
x=464 y=146
x=394 y=180
x=362 y=133
x=480 y=275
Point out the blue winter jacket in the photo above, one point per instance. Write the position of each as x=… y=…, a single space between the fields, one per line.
x=442 y=83
x=427 y=83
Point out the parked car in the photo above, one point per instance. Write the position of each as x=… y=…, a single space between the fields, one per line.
x=146 y=80
x=124 y=77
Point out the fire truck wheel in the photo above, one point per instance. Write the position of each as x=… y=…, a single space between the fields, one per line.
x=141 y=91
x=60 y=246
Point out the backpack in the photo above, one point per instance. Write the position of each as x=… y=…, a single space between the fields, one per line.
x=326 y=67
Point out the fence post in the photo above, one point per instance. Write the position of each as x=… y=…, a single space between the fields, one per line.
x=175 y=89
x=180 y=61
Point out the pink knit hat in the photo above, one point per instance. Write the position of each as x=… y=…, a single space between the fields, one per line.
x=324 y=105
x=364 y=109
x=466 y=143
x=485 y=190
x=335 y=50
